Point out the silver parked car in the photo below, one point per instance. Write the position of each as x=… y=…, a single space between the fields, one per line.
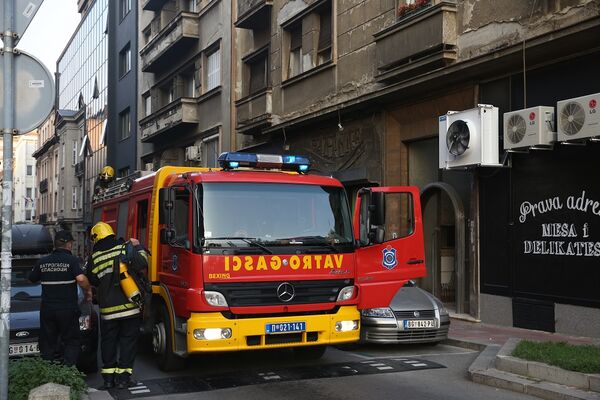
x=414 y=316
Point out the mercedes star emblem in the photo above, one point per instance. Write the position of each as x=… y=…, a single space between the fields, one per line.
x=417 y=314
x=285 y=292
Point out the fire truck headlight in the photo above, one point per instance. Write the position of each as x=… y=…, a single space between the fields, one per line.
x=345 y=326
x=346 y=293
x=215 y=299
x=212 y=333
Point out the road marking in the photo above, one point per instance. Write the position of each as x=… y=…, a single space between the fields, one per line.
x=385 y=368
x=419 y=365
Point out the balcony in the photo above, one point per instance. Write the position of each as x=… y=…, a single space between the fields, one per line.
x=254 y=112
x=80 y=168
x=174 y=37
x=254 y=14
x=153 y=5
x=183 y=111
x=420 y=42
x=43 y=185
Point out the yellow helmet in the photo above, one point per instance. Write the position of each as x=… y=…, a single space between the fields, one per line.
x=100 y=231
x=107 y=173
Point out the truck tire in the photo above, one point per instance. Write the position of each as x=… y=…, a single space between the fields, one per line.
x=309 y=352
x=162 y=342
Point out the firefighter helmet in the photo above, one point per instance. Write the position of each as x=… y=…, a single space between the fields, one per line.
x=100 y=231
x=107 y=173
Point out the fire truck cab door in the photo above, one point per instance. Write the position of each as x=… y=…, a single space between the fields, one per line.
x=389 y=230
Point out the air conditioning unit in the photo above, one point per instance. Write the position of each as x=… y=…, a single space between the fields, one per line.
x=469 y=138
x=578 y=118
x=149 y=166
x=530 y=127
x=193 y=153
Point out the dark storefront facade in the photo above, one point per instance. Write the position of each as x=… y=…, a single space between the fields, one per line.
x=545 y=210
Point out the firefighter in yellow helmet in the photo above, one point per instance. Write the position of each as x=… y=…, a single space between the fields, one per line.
x=106 y=176
x=120 y=317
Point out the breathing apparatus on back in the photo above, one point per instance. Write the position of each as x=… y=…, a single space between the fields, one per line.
x=128 y=283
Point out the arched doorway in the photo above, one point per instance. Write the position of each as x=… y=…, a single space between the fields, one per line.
x=444 y=244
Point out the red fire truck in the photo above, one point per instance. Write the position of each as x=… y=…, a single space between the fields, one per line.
x=259 y=254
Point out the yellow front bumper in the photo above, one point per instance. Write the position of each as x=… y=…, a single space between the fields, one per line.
x=249 y=334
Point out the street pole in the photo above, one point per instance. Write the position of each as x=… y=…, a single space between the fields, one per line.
x=7 y=184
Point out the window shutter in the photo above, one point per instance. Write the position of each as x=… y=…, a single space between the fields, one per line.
x=325 y=30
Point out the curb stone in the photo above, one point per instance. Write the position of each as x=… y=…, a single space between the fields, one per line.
x=482 y=371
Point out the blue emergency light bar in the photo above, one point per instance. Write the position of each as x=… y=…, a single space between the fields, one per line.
x=234 y=160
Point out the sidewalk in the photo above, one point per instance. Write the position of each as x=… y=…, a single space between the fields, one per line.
x=496 y=367
x=486 y=334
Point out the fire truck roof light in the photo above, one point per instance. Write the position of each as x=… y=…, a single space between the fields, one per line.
x=232 y=160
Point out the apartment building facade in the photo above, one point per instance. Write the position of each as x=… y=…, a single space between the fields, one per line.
x=80 y=121
x=359 y=87
x=47 y=170
x=185 y=107
x=24 y=177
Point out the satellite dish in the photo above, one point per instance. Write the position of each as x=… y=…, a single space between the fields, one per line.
x=34 y=93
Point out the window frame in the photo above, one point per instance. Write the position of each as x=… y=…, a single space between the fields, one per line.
x=124 y=9
x=122 y=114
x=125 y=60
x=217 y=72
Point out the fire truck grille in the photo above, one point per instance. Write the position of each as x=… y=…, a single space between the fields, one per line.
x=265 y=293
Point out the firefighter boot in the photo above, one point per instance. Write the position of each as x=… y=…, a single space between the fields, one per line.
x=109 y=382
x=124 y=381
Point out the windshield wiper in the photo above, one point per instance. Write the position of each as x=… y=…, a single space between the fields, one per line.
x=251 y=241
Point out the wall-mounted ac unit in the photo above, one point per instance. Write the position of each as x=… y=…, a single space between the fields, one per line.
x=149 y=166
x=529 y=128
x=578 y=118
x=469 y=138
x=193 y=153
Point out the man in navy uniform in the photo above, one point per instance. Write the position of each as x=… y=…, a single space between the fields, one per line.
x=60 y=273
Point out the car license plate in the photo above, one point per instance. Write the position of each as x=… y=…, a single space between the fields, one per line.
x=22 y=349
x=419 y=323
x=285 y=327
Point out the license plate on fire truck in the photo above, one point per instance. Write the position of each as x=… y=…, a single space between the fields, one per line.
x=22 y=349
x=419 y=324
x=285 y=327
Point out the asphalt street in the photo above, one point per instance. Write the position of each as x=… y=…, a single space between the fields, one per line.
x=358 y=372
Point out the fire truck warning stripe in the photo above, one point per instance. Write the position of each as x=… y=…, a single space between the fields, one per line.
x=194 y=384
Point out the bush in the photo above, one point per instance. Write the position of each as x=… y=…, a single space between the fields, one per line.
x=25 y=374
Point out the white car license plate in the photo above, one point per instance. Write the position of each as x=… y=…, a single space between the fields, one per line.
x=419 y=324
x=22 y=349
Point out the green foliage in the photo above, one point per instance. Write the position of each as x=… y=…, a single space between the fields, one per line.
x=27 y=373
x=579 y=358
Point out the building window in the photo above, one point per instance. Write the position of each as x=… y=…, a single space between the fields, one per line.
x=29 y=170
x=317 y=25
x=74 y=153
x=191 y=6
x=210 y=151
x=74 y=199
x=295 y=59
x=28 y=193
x=167 y=93
x=125 y=60
x=213 y=70
x=147 y=33
x=258 y=67
x=123 y=172
x=147 y=104
x=189 y=82
x=124 y=124
x=124 y=8
x=64 y=155
x=28 y=215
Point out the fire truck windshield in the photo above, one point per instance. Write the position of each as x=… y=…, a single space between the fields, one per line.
x=257 y=215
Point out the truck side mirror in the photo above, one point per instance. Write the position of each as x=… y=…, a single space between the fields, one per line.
x=377 y=235
x=377 y=208
x=167 y=236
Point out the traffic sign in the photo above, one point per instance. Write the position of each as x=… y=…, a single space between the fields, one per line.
x=24 y=12
x=34 y=92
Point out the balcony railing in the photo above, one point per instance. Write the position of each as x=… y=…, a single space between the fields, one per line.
x=44 y=185
x=80 y=168
x=421 y=41
x=175 y=36
x=153 y=5
x=254 y=112
x=253 y=14
x=183 y=111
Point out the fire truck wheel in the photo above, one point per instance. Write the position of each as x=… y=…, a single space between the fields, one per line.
x=162 y=339
x=309 y=352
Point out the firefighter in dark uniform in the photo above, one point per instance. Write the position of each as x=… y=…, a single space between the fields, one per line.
x=60 y=273
x=120 y=318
